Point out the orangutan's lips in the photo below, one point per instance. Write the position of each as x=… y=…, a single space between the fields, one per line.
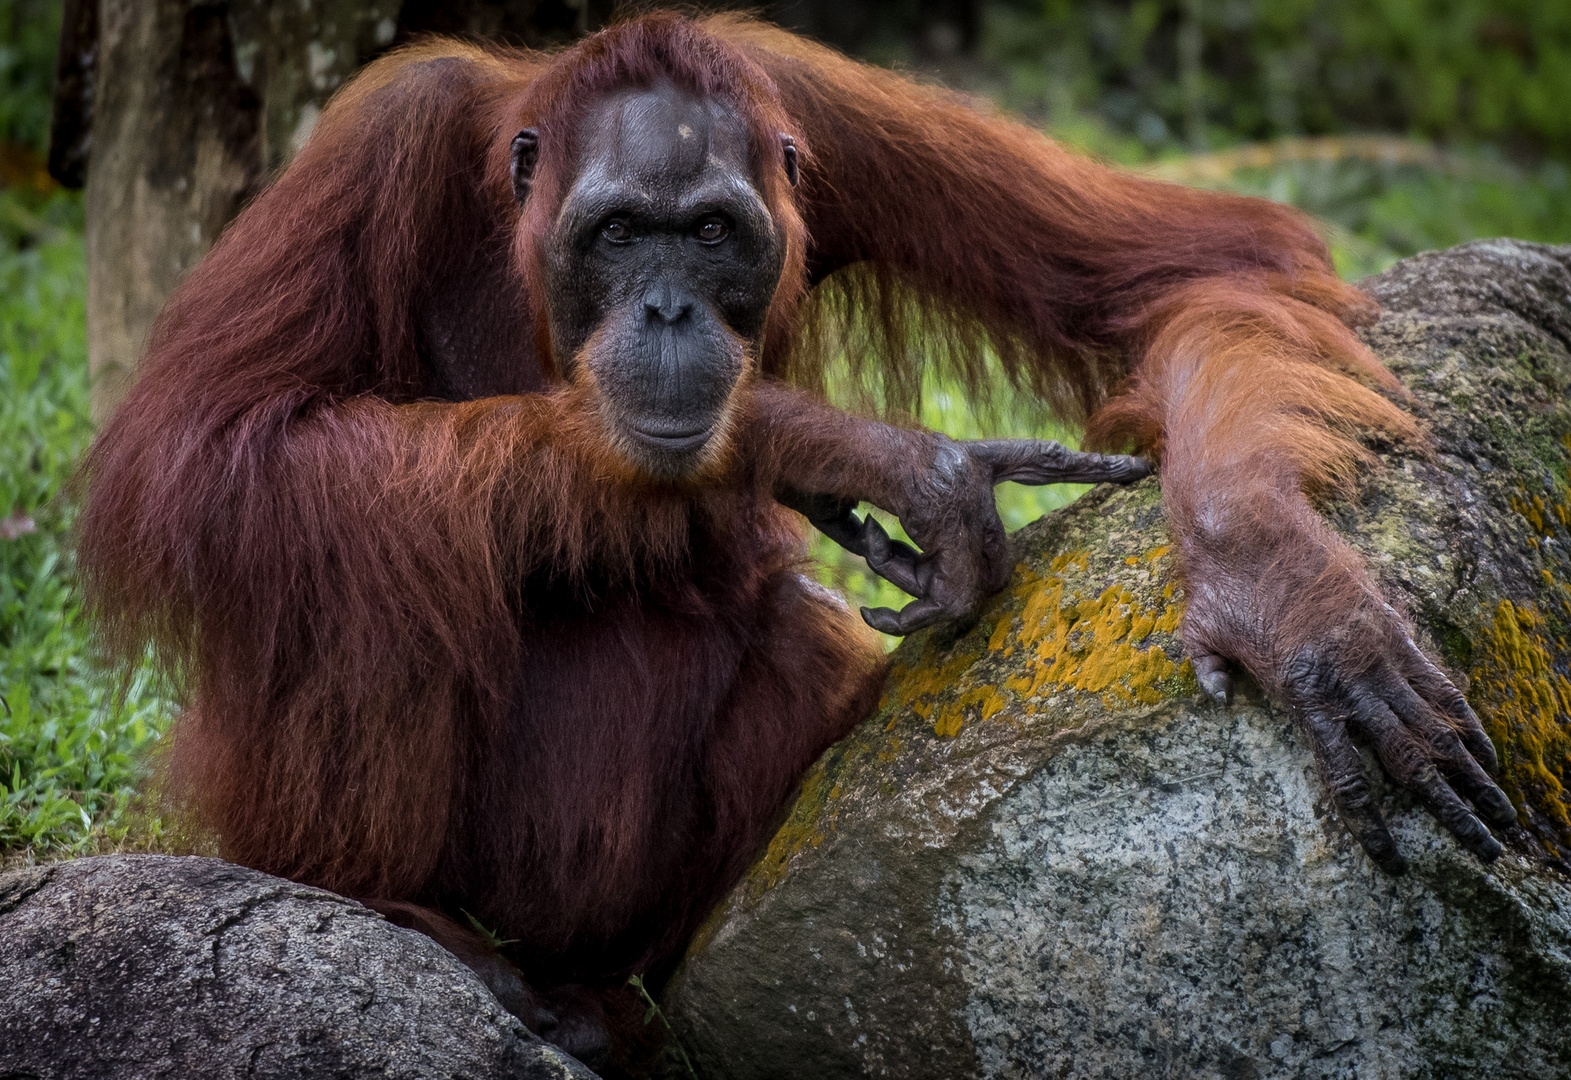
x=674 y=441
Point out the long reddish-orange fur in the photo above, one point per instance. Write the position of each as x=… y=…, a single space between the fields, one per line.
x=446 y=652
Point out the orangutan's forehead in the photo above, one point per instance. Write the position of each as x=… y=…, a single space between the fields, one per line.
x=662 y=135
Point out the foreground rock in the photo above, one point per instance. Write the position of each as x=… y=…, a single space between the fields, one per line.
x=1046 y=855
x=132 y=966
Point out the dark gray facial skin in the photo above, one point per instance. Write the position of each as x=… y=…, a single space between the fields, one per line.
x=660 y=268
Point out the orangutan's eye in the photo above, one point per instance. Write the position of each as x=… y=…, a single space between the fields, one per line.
x=617 y=230
x=712 y=230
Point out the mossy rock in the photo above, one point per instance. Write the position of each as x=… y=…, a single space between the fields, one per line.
x=1048 y=855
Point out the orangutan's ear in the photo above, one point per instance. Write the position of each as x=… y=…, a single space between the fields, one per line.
x=526 y=151
x=788 y=146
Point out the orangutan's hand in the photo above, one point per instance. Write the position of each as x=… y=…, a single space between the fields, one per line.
x=949 y=510
x=1355 y=672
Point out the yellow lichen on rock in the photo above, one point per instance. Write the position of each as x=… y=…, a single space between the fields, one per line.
x=1526 y=707
x=1544 y=514
x=943 y=694
x=918 y=686
x=1071 y=639
x=1094 y=645
x=806 y=827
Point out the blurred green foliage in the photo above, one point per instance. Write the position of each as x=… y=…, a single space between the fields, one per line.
x=1208 y=72
x=29 y=32
x=1385 y=199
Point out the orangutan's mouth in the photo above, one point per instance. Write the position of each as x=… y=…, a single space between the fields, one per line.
x=673 y=441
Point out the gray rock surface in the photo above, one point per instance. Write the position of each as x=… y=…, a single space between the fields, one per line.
x=1048 y=855
x=132 y=966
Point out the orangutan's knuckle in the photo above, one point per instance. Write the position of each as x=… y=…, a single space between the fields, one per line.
x=950 y=469
x=1350 y=790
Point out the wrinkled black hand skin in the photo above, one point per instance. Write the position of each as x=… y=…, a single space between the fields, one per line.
x=949 y=509
x=1358 y=672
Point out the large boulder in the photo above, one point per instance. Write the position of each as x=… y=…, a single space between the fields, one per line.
x=133 y=966
x=1048 y=855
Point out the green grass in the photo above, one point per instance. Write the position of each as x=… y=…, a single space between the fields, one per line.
x=72 y=749
x=74 y=744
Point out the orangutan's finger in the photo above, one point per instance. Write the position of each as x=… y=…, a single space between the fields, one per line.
x=1042 y=461
x=1431 y=682
x=845 y=529
x=1343 y=772
x=892 y=560
x=1446 y=749
x=1215 y=678
x=1406 y=759
x=909 y=619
